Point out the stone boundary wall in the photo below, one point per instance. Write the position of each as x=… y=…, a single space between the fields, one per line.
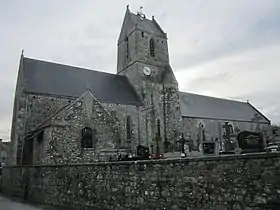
x=245 y=182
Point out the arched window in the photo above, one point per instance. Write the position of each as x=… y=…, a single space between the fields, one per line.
x=231 y=129
x=87 y=138
x=201 y=128
x=152 y=48
x=228 y=128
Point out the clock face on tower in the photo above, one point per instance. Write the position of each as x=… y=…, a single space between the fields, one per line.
x=147 y=70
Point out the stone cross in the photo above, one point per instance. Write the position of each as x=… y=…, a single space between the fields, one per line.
x=182 y=141
x=257 y=119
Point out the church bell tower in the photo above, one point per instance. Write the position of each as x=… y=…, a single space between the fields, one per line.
x=144 y=59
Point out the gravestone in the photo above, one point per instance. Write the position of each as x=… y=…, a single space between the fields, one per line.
x=250 y=142
x=143 y=152
x=209 y=148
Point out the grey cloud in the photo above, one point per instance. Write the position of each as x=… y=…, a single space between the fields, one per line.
x=208 y=80
x=247 y=30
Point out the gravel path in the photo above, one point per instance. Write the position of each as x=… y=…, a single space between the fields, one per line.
x=7 y=204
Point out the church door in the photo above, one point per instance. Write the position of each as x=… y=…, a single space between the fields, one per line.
x=28 y=152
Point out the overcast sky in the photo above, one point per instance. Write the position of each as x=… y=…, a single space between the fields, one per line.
x=220 y=48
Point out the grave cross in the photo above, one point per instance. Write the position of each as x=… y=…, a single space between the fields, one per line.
x=257 y=119
x=182 y=142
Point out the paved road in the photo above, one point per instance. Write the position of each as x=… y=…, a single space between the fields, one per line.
x=6 y=204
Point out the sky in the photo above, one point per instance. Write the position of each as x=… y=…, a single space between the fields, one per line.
x=218 y=48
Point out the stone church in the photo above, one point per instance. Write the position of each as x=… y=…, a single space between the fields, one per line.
x=65 y=114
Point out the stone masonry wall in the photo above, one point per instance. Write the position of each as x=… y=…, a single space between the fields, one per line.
x=241 y=182
x=34 y=110
x=160 y=101
x=40 y=107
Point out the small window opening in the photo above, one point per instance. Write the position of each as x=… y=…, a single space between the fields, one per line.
x=127 y=47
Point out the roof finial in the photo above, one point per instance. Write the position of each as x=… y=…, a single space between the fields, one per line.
x=127 y=7
x=22 y=51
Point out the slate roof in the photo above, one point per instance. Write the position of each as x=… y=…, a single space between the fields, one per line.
x=57 y=79
x=145 y=24
x=199 y=106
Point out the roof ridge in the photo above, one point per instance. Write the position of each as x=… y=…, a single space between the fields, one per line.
x=75 y=67
x=213 y=97
x=249 y=104
x=201 y=106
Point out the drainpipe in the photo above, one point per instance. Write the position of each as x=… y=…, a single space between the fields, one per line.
x=164 y=119
x=1 y=147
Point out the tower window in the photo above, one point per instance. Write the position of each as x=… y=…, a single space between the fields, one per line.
x=128 y=127
x=87 y=138
x=152 y=48
x=127 y=47
x=142 y=34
